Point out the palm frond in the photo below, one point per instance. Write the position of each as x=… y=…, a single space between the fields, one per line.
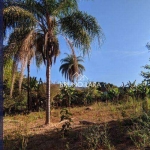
x=68 y=68
x=81 y=28
x=51 y=48
x=64 y=7
x=16 y=17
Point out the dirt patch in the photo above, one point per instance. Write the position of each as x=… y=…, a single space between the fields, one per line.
x=46 y=137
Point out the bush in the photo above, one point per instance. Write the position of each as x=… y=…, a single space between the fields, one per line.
x=65 y=115
x=15 y=104
x=140 y=131
x=95 y=137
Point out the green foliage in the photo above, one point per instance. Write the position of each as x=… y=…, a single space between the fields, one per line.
x=71 y=95
x=90 y=95
x=113 y=93
x=92 y=138
x=16 y=104
x=66 y=97
x=146 y=105
x=65 y=116
x=140 y=131
x=71 y=65
x=54 y=90
x=9 y=103
x=8 y=73
x=95 y=137
x=143 y=91
x=33 y=85
x=146 y=75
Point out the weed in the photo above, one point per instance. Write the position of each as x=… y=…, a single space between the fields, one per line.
x=95 y=137
x=67 y=146
x=17 y=138
x=123 y=113
x=113 y=109
x=146 y=105
x=65 y=115
x=140 y=131
x=41 y=115
x=105 y=140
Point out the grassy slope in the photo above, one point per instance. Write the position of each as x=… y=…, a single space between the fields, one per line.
x=29 y=131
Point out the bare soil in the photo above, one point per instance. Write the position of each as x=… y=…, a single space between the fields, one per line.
x=48 y=137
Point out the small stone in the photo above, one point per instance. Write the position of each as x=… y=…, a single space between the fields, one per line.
x=89 y=108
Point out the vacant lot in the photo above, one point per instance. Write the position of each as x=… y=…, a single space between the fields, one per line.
x=100 y=126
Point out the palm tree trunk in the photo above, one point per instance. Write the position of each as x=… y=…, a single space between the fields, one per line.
x=48 y=68
x=1 y=74
x=23 y=65
x=76 y=70
x=12 y=85
x=28 y=89
x=13 y=78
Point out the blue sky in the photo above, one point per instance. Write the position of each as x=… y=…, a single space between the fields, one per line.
x=126 y=25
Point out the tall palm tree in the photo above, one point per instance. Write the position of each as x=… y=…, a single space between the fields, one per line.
x=53 y=18
x=67 y=68
x=24 y=56
x=74 y=58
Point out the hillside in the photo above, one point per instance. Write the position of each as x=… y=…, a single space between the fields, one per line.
x=109 y=121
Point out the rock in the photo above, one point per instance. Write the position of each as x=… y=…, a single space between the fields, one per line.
x=89 y=108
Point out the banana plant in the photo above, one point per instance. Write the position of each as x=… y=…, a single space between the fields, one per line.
x=142 y=91
x=132 y=90
x=87 y=97
x=68 y=95
x=113 y=93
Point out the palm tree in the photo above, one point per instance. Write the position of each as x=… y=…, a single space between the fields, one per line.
x=67 y=67
x=53 y=18
x=22 y=54
x=74 y=59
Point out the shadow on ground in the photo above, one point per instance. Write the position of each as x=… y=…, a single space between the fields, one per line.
x=52 y=140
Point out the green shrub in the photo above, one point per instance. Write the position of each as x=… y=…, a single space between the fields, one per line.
x=140 y=131
x=65 y=115
x=95 y=137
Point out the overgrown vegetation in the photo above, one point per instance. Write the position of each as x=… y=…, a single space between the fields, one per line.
x=75 y=96
x=65 y=116
x=107 y=126
x=140 y=131
x=95 y=137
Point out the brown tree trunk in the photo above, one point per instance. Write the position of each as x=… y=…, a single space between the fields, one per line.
x=48 y=39
x=75 y=63
x=12 y=85
x=13 y=79
x=48 y=67
x=28 y=89
x=21 y=75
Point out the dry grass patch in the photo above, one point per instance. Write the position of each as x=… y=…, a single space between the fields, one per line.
x=26 y=131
